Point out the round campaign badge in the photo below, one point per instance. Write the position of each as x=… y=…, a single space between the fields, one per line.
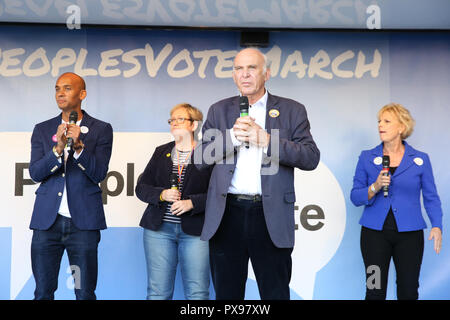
x=418 y=161
x=378 y=160
x=84 y=129
x=274 y=113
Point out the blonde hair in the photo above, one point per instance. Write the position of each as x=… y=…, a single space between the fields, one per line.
x=194 y=113
x=403 y=115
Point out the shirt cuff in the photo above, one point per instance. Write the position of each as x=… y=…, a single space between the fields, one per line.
x=76 y=156
x=235 y=141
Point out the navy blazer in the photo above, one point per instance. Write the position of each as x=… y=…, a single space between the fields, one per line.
x=297 y=149
x=413 y=176
x=156 y=178
x=82 y=175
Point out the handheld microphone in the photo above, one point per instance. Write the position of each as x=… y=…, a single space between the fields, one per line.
x=73 y=118
x=173 y=181
x=386 y=163
x=243 y=107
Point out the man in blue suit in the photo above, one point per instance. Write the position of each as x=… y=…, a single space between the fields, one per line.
x=250 y=202
x=68 y=210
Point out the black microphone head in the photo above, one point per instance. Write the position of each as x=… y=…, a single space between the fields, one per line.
x=386 y=161
x=73 y=117
x=243 y=103
x=173 y=180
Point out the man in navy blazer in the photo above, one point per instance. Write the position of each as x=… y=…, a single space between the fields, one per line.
x=251 y=196
x=68 y=210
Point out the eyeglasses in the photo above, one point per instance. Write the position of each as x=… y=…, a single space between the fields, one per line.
x=178 y=120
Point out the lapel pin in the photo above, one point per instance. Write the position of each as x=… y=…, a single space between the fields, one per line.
x=84 y=129
x=54 y=139
x=418 y=161
x=168 y=155
x=274 y=113
x=378 y=160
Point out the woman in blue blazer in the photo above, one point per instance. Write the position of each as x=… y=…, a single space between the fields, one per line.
x=175 y=191
x=392 y=225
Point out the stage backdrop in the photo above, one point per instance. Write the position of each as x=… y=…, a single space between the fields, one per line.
x=133 y=79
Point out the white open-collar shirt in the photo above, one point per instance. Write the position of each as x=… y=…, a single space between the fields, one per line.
x=247 y=175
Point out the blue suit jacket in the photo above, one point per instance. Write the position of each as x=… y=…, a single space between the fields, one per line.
x=413 y=175
x=296 y=149
x=82 y=176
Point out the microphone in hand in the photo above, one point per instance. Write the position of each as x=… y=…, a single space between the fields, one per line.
x=243 y=108
x=73 y=118
x=173 y=181
x=386 y=163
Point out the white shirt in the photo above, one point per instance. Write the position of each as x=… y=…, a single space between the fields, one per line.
x=247 y=175
x=64 y=206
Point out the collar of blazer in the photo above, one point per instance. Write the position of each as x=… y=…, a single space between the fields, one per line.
x=85 y=121
x=272 y=103
x=407 y=160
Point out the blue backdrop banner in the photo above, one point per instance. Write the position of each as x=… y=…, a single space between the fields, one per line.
x=133 y=79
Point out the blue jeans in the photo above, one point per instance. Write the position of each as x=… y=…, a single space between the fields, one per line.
x=163 y=249
x=47 y=248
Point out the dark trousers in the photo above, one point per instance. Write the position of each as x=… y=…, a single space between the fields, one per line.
x=47 y=248
x=243 y=235
x=405 y=248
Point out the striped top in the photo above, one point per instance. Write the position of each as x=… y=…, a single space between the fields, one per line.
x=168 y=216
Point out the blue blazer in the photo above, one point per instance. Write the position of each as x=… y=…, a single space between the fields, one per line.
x=297 y=149
x=413 y=175
x=82 y=176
